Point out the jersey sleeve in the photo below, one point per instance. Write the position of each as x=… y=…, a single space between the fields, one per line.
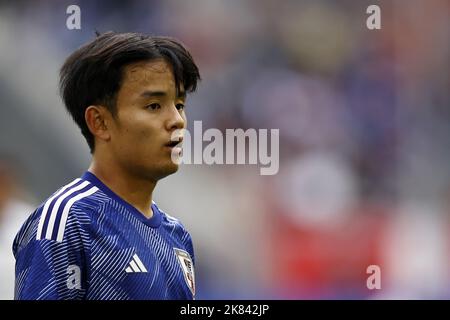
x=47 y=268
x=189 y=246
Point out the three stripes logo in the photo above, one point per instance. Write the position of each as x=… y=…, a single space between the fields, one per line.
x=135 y=265
x=55 y=213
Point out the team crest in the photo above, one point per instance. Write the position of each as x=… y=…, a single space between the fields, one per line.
x=188 y=268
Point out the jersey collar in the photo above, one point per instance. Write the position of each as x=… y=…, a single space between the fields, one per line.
x=154 y=221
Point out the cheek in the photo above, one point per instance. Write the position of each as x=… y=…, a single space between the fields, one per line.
x=138 y=133
x=132 y=126
x=140 y=137
x=125 y=134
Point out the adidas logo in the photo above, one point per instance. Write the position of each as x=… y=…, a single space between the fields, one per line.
x=135 y=265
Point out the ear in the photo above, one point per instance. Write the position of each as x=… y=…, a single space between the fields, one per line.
x=97 y=119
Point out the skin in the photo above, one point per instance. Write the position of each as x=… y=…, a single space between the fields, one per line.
x=131 y=148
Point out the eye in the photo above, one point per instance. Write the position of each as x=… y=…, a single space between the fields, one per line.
x=180 y=106
x=154 y=106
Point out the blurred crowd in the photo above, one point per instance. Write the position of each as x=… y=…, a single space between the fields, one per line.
x=364 y=119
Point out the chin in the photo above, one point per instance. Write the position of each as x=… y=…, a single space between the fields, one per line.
x=173 y=167
x=167 y=170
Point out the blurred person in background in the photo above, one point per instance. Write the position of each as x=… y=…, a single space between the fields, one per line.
x=14 y=209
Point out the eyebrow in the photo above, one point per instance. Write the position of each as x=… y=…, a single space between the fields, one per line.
x=150 y=94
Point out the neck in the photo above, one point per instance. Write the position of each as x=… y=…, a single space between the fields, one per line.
x=136 y=191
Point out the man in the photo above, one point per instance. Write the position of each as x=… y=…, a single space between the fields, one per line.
x=101 y=236
x=14 y=209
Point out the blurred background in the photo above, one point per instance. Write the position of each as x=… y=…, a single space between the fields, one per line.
x=364 y=119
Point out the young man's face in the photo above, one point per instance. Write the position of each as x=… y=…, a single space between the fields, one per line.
x=148 y=111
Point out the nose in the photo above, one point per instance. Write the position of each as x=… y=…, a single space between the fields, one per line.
x=176 y=119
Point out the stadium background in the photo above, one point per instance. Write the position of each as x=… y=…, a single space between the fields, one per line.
x=364 y=119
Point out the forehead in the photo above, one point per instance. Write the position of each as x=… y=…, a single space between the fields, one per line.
x=148 y=74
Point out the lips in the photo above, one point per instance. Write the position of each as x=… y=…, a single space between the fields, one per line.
x=176 y=142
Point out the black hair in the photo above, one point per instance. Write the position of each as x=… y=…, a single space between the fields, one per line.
x=92 y=75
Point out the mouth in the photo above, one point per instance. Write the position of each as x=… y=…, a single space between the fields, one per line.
x=177 y=142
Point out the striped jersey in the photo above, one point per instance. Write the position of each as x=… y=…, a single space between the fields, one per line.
x=85 y=242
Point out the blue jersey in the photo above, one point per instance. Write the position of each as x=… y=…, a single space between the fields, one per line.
x=85 y=242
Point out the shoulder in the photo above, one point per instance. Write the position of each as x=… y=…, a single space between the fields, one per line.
x=177 y=228
x=170 y=220
x=61 y=212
